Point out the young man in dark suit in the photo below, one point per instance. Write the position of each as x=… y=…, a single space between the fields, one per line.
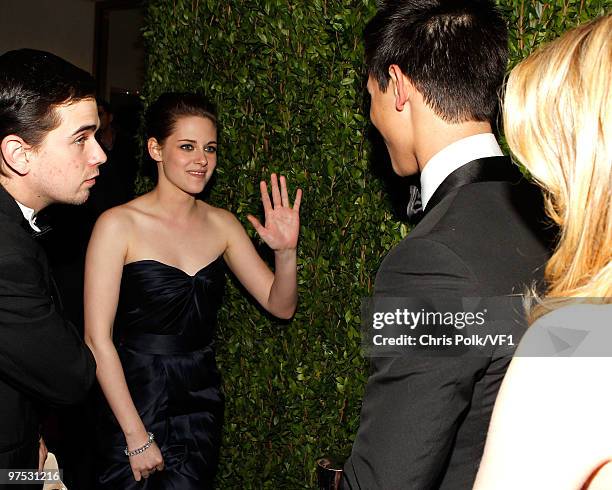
x=48 y=118
x=435 y=68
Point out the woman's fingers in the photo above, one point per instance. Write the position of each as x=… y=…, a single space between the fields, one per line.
x=259 y=228
x=265 y=197
x=284 y=194
x=280 y=195
x=276 y=196
x=298 y=200
x=145 y=464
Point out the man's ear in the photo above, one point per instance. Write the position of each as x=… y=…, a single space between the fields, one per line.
x=15 y=154
x=401 y=87
x=154 y=149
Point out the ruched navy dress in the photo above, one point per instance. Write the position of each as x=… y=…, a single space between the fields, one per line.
x=163 y=332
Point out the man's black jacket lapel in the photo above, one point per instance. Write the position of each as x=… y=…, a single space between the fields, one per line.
x=491 y=169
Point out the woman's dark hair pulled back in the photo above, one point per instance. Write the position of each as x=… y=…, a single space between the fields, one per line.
x=162 y=115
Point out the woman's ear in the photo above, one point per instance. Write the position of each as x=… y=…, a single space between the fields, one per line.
x=154 y=149
x=15 y=154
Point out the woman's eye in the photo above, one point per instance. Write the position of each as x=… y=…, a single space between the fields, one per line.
x=187 y=147
x=210 y=149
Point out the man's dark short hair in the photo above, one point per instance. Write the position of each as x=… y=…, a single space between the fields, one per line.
x=455 y=53
x=32 y=84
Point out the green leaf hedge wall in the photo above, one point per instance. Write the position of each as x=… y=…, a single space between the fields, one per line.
x=288 y=81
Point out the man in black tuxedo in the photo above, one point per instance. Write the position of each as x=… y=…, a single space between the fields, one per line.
x=435 y=67
x=48 y=118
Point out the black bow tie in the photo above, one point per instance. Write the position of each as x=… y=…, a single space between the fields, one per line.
x=414 y=209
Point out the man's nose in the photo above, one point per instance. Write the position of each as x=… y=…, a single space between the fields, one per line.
x=99 y=157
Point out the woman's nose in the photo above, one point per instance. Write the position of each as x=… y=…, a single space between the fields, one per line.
x=203 y=157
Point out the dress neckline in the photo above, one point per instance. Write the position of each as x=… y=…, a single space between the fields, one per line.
x=154 y=261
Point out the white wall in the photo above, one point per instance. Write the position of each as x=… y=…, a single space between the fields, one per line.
x=63 y=27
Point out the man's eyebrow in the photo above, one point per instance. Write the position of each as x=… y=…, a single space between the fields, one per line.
x=87 y=127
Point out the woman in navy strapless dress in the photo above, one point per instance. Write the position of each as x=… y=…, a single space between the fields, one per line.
x=153 y=284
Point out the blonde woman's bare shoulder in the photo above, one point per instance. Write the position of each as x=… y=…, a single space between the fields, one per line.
x=575 y=330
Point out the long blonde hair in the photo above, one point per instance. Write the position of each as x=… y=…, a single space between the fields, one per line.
x=558 y=123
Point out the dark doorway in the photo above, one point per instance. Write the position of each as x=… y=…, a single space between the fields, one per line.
x=119 y=58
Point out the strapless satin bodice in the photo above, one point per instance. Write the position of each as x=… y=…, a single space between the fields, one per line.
x=157 y=298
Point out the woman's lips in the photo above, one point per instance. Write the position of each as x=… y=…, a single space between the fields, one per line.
x=197 y=173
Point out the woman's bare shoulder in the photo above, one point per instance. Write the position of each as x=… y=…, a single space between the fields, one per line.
x=217 y=217
x=124 y=217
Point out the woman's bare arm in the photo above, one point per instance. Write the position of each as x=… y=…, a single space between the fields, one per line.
x=550 y=427
x=276 y=292
x=103 y=269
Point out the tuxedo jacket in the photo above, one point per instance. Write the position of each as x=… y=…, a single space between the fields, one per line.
x=43 y=361
x=424 y=419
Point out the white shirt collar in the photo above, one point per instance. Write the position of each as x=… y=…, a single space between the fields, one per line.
x=29 y=214
x=453 y=156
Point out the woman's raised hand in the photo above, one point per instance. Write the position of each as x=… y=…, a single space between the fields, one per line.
x=282 y=220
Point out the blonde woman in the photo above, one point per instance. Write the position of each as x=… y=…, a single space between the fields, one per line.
x=552 y=423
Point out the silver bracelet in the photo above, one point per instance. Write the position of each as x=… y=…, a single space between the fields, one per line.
x=141 y=449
